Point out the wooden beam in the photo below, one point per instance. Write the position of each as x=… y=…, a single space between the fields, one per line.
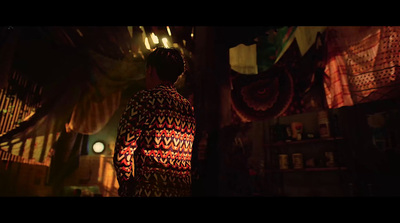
x=212 y=98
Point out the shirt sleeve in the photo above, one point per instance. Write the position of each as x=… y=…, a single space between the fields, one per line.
x=129 y=131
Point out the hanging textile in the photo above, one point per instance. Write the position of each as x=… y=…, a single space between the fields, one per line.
x=109 y=75
x=89 y=117
x=261 y=96
x=33 y=145
x=34 y=138
x=291 y=86
x=77 y=81
x=305 y=36
x=307 y=73
x=243 y=59
x=273 y=45
x=98 y=102
x=82 y=70
x=68 y=148
x=284 y=39
x=362 y=64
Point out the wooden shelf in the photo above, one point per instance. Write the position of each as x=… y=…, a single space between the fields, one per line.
x=310 y=169
x=305 y=141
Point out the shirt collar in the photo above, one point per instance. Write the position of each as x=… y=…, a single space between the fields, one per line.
x=167 y=86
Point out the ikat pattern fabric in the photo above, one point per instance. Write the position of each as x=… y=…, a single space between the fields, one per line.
x=153 y=150
x=362 y=64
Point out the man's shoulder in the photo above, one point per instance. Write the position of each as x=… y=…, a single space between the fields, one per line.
x=140 y=94
x=138 y=98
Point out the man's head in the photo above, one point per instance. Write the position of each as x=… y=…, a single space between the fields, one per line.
x=166 y=63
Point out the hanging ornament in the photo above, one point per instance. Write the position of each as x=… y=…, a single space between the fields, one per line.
x=262 y=96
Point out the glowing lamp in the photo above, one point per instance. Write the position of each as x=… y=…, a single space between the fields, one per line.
x=165 y=42
x=146 y=43
x=98 y=147
x=154 y=38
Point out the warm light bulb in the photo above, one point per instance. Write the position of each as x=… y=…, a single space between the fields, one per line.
x=79 y=32
x=165 y=42
x=154 y=38
x=169 y=31
x=146 y=43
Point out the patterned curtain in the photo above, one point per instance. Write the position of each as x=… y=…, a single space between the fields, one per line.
x=362 y=64
x=81 y=87
x=102 y=96
x=89 y=117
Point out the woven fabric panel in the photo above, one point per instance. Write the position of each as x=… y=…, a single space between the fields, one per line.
x=362 y=64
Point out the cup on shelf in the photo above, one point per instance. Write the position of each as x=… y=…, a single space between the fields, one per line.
x=283 y=161
x=297 y=159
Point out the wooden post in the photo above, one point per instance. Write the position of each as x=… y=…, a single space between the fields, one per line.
x=212 y=97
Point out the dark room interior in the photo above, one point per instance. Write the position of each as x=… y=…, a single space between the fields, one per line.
x=281 y=111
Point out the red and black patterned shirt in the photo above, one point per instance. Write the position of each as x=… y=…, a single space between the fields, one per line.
x=153 y=149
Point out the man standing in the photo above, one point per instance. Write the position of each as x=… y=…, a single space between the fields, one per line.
x=153 y=149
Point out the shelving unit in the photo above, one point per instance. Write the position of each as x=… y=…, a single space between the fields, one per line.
x=310 y=169
x=316 y=177
x=305 y=141
x=312 y=179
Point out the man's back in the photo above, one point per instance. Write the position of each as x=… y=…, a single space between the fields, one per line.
x=159 y=126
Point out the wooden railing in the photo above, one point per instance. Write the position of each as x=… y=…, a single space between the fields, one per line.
x=18 y=102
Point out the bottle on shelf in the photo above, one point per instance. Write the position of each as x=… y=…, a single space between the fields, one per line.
x=297 y=130
x=323 y=124
x=330 y=160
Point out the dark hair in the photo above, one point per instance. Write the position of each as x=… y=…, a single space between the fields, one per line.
x=168 y=63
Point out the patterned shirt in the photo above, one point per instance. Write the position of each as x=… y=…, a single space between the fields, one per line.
x=153 y=149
